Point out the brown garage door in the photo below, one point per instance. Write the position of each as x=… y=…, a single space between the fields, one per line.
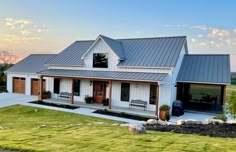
x=19 y=85
x=35 y=86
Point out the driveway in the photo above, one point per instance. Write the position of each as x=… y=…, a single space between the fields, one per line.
x=8 y=99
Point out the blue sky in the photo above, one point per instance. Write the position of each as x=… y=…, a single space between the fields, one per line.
x=49 y=26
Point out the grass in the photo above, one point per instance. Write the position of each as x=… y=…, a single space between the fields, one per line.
x=230 y=88
x=34 y=129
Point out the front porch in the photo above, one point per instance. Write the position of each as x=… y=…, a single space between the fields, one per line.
x=96 y=106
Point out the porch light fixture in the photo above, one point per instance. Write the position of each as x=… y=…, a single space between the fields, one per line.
x=91 y=82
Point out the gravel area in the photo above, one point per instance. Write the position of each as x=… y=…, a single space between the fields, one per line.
x=220 y=130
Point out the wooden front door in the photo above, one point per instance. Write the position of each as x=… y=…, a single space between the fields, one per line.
x=99 y=91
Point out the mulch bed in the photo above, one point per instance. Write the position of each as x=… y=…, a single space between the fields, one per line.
x=122 y=115
x=219 y=130
x=55 y=105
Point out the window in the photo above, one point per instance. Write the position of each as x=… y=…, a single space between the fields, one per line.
x=76 y=87
x=153 y=94
x=125 y=89
x=100 y=60
x=56 y=87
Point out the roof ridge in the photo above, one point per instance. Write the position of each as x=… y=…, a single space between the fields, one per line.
x=207 y=54
x=132 y=38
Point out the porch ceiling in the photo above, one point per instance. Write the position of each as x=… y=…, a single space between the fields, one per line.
x=108 y=75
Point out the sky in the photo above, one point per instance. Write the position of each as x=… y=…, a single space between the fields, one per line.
x=49 y=26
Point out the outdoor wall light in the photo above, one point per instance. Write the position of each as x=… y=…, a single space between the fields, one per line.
x=91 y=82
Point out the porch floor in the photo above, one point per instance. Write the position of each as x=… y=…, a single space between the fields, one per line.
x=133 y=111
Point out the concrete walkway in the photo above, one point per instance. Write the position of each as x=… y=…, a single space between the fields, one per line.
x=8 y=99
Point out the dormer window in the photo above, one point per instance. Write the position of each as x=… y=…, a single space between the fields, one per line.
x=100 y=60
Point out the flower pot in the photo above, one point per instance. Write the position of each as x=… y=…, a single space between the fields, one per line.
x=46 y=96
x=163 y=115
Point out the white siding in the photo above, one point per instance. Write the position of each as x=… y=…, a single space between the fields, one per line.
x=101 y=47
x=175 y=74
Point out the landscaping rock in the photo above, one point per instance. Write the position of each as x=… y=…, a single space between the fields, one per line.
x=137 y=128
x=207 y=122
x=142 y=122
x=163 y=123
x=193 y=122
x=217 y=121
x=152 y=122
x=180 y=122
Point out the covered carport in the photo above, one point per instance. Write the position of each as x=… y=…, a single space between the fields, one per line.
x=201 y=82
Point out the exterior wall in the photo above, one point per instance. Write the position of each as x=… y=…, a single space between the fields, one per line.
x=27 y=77
x=175 y=74
x=101 y=47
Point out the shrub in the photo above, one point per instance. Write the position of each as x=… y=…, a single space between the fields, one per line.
x=88 y=99
x=105 y=102
x=164 y=108
x=230 y=106
x=221 y=117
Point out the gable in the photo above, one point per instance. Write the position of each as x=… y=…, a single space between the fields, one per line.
x=114 y=45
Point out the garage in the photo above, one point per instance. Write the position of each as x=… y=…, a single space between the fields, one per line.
x=19 y=85
x=35 y=86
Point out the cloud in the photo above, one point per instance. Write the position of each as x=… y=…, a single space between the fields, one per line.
x=16 y=23
x=193 y=40
x=19 y=39
x=25 y=32
x=42 y=30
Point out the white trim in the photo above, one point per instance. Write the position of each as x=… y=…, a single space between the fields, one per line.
x=203 y=82
x=63 y=65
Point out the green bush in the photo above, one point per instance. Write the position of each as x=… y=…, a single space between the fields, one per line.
x=164 y=108
x=88 y=99
x=230 y=106
x=221 y=117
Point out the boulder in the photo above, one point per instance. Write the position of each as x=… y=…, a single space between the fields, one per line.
x=152 y=122
x=137 y=128
x=163 y=123
x=217 y=121
x=207 y=122
x=180 y=122
x=193 y=122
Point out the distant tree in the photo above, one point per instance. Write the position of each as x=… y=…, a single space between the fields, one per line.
x=6 y=59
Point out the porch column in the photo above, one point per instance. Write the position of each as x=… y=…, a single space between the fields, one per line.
x=157 y=98
x=223 y=90
x=72 y=92
x=40 y=88
x=110 y=93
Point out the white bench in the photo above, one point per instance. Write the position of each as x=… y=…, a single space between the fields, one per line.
x=138 y=103
x=64 y=95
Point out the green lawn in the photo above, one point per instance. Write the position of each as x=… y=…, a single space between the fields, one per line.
x=34 y=129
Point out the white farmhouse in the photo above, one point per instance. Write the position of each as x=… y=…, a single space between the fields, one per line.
x=155 y=70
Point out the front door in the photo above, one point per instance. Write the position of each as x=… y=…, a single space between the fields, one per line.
x=99 y=91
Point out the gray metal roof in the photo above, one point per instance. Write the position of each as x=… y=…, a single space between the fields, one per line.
x=139 y=52
x=31 y=64
x=213 y=69
x=116 y=46
x=108 y=75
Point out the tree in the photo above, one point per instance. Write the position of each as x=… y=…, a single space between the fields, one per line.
x=6 y=59
x=231 y=104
